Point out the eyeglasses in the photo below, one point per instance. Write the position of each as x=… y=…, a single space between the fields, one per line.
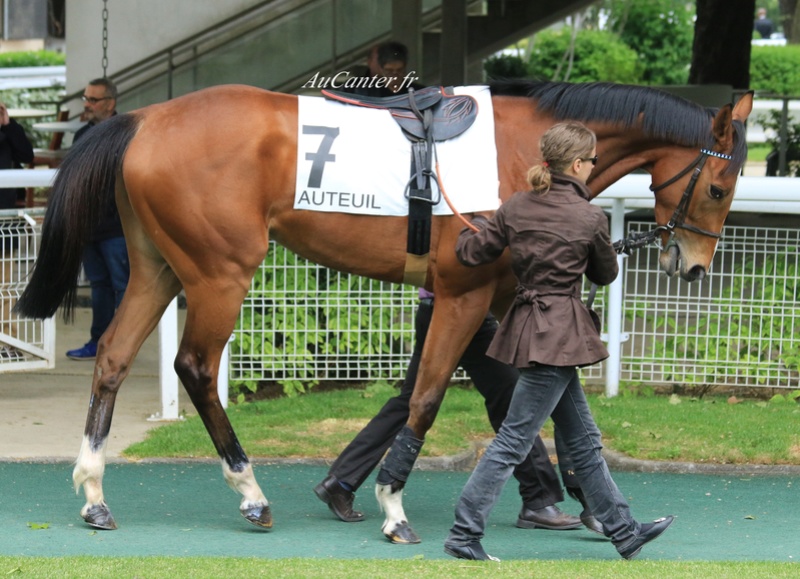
x=592 y=159
x=94 y=100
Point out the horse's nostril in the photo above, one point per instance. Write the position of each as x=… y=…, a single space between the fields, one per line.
x=697 y=273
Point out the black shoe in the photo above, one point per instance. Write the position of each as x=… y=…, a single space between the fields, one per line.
x=547 y=518
x=472 y=552
x=587 y=518
x=647 y=533
x=339 y=500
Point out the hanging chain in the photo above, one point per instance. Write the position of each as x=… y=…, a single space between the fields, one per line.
x=104 y=62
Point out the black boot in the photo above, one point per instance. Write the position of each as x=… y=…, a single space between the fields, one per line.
x=587 y=518
x=339 y=500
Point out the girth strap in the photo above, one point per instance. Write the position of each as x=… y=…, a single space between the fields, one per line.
x=425 y=116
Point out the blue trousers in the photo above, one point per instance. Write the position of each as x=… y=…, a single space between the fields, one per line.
x=107 y=268
x=544 y=391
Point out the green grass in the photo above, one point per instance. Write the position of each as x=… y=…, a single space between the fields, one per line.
x=201 y=567
x=316 y=425
x=757 y=153
x=321 y=424
x=708 y=430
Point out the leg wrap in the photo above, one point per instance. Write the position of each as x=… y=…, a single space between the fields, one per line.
x=401 y=458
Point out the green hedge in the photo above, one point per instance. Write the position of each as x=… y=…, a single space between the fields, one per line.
x=31 y=58
x=599 y=56
x=775 y=69
x=505 y=66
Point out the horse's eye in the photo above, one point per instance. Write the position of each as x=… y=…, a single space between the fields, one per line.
x=717 y=192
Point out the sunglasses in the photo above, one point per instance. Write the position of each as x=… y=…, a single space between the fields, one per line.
x=93 y=100
x=592 y=159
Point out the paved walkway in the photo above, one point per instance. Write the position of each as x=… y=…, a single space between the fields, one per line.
x=43 y=412
x=184 y=508
x=180 y=509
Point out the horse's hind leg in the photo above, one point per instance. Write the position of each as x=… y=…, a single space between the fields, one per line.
x=151 y=287
x=205 y=334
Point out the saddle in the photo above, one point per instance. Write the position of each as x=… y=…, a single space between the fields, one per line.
x=435 y=108
x=426 y=116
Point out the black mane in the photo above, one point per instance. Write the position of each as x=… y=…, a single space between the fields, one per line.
x=663 y=115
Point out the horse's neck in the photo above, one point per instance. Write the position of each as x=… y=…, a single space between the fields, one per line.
x=620 y=152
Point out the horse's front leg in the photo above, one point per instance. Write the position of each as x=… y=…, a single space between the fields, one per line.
x=452 y=327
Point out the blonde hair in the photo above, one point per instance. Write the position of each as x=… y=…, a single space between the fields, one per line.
x=561 y=144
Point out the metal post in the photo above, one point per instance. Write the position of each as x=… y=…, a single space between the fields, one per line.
x=222 y=374
x=783 y=143
x=614 y=361
x=168 y=349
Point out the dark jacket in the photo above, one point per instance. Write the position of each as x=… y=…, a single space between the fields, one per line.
x=15 y=149
x=554 y=240
x=110 y=225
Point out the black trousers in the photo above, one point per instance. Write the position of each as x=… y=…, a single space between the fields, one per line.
x=538 y=482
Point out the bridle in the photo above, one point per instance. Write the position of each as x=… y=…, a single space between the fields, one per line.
x=678 y=219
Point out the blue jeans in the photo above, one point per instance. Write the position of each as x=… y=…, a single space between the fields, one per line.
x=538 y=482
x=107 y=267
x=544 y=391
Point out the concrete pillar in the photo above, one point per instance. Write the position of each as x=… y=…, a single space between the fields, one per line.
x=407 y=28
x=454 y=42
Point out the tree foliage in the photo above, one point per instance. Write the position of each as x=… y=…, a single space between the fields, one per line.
x=660 y=31
x=597 y=56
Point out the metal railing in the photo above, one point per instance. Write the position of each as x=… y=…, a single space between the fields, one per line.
x=659 y=330
x=255 y=47
x=25 y=344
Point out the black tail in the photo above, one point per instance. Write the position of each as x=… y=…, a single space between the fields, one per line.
x=83 y=189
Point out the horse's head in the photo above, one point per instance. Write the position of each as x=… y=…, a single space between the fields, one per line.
x=693 y=154
x=694 y=190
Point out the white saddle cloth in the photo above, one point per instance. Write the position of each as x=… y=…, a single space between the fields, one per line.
x=356 y=160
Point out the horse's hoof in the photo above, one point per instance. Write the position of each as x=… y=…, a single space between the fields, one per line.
x=259 y=516
x=402 y=534
x=100 y=517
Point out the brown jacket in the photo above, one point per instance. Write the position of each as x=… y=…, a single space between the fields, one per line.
x=554 y=240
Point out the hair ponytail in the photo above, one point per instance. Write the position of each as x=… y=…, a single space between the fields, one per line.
x=561 y=144
x=540 y=178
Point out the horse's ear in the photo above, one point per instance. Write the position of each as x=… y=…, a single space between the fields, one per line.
x=722 y=129
x=744 y=107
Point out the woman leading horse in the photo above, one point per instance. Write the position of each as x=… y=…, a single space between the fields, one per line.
x=200 y=201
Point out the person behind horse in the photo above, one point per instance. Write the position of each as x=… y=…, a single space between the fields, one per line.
x=387 y=64
x=15 y=149
x=538 y=482
x=105 y=257
x=555 y=237
x=762 y=24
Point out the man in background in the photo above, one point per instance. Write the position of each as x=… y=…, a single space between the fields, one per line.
x=387 y=64
x=105 y=258
x=763 y=25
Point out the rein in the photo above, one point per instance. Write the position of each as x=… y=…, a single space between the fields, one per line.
x=450 y=203
x=678 y=219
x=637 y=240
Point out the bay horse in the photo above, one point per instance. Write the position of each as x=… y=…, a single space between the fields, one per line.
x=202 y=182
